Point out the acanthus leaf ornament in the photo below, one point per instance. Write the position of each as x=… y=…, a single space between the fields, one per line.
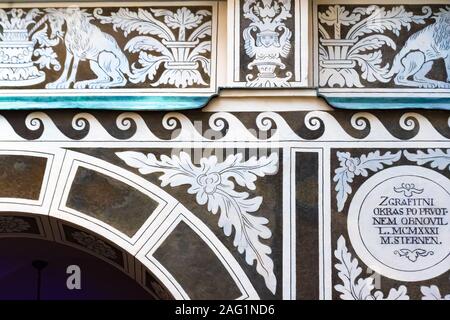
x=433 y=293
x=158 y=44
x=210 y=183
x=351 y=167
x=354 y=287
x=94 y=244
x=437 y=158
x=173 y=47
x=13 y=225
x=348 y=57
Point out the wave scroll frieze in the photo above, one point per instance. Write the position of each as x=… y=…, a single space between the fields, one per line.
x=222 y=127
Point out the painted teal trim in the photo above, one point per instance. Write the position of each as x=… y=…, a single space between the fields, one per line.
x=383 y=103
x=103 y=102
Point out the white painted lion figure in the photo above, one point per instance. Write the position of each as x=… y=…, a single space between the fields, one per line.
x=420 y=52
x=86 y=42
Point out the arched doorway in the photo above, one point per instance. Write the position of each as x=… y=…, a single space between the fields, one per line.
x=67 y=274
x=139 y=229
x=105 y=271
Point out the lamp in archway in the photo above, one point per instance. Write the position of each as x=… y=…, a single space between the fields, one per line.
x=39 y=265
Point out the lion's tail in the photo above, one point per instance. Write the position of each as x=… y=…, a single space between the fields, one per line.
x=124 y=64
x=397 y=64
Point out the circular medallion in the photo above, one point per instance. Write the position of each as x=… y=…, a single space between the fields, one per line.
x=399 y=223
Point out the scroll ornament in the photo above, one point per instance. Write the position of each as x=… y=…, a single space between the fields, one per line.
x=212 y=186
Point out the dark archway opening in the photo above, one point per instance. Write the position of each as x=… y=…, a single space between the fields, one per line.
x=99 y=279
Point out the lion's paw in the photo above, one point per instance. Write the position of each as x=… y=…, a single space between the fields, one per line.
x=98 y=86
x=80 y=84
x=428 y=85
x=58 y=85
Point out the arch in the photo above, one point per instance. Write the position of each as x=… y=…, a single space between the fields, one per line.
x=46 y=228
x=151 y=236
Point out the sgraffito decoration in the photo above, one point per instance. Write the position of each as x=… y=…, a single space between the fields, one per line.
x=266 y=43
x=351 y=167
x=271 y=43
x=182 y=40
x=354 y=287
x=366 y=52
x=433 y=293
x=96 y=245
x=20 y=61
x=153 y=49
x=396 y=216
x=13 y=225
x=318 y=204
x=383 y=46
x=211 y=185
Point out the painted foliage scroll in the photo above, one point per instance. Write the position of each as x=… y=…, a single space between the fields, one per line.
x=154 y=48
x=395 y=206
x=384 y=46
